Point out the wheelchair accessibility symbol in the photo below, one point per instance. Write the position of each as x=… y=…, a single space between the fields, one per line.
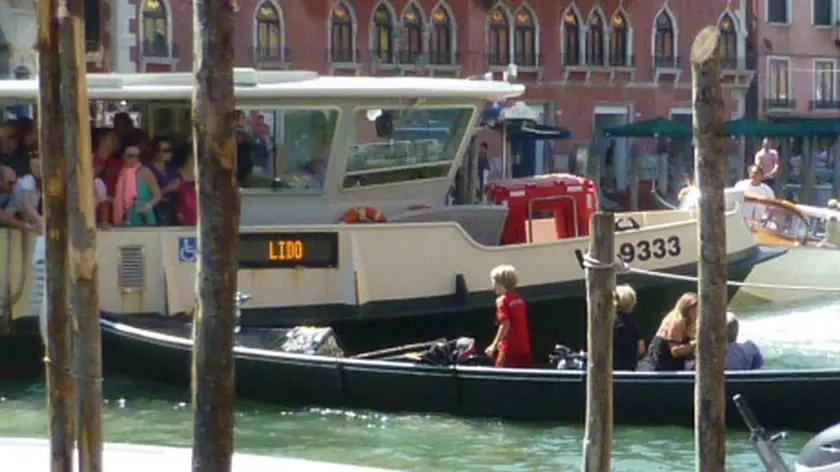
x=187 y=248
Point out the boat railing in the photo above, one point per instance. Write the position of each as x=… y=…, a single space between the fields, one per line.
x=763 y=442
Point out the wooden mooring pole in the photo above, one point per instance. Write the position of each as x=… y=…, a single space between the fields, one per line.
x=709 y=391
x=84 y=266
x=600 y=289
x=59 y=352
x=214 y=138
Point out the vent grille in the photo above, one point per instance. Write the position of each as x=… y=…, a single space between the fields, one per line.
x=132 y=271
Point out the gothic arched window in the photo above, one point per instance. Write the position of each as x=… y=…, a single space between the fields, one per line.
x=498 y=47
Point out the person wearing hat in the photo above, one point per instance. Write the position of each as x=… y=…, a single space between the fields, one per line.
x=740 y=355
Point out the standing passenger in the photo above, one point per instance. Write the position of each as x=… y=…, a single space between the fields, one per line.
x=512 y=344
x=628 y=343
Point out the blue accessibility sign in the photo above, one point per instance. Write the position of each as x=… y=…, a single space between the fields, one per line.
x=187 y=248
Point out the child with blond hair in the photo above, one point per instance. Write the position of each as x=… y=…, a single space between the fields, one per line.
x=512 y=345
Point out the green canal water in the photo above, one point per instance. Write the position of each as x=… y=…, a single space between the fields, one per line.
x=154 y=414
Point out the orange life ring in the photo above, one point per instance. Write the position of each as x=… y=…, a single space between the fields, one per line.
x=365 y=214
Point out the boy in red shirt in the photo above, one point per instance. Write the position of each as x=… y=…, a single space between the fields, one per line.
x=512 y=345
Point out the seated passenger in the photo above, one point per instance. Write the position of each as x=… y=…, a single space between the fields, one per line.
x=137 y=192
x=740 y=355
x=8 y=202
x=512 y=344
x=628 y=343
x=674 y=341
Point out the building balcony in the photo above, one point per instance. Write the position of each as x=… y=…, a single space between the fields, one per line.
x=343 y=56
x=523 y=61
x=667 y=62
x=434 y=59
x=159 y=50
x=272 y=57
x=825 y=105
x=623 y=61
x=777 y=103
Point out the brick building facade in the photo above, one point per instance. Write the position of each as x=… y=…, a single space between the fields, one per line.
x=587 y=63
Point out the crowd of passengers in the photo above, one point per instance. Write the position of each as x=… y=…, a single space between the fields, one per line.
x=139 y=180
x=672 y=348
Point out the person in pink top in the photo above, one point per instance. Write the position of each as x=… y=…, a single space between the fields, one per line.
x=768 y=160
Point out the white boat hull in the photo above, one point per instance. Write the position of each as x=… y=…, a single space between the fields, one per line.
x=800 y=266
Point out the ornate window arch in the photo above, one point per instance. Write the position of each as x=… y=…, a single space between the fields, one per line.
x=442 y=37
x=498 y=37
x=595 y=35
x=619 y=40
x=342 y=32
x=571 y=37
x=155 y=27
x=525 y=38
x=664 y=40
x=382 y=34
x=414 y=27
x=269 y=38
x=729 y=41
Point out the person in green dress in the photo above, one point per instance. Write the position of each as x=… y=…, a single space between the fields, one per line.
x=137 y=192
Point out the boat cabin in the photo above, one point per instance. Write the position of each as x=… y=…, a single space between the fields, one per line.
x=326 y=144
x=545 y=208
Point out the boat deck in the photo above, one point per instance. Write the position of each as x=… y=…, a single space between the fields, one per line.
x=25 y=454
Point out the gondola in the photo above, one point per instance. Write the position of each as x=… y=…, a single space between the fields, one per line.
x=401 y=380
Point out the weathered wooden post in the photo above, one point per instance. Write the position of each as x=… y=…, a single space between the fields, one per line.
x=59 y=341
x=600 y=289
x=709 y=391
x=84 y=266
x=214 y=136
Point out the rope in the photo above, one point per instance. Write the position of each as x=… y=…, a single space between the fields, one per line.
x=622 y=267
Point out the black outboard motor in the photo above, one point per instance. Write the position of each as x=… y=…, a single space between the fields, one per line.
x=821 y=453
x=564 y=358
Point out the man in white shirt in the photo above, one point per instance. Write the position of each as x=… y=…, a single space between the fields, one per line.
x=740 y=355
x=754 y=186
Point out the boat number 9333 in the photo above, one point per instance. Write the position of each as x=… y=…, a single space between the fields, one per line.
x=645 y=250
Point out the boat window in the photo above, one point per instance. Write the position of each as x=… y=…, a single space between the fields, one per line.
x=401 y=145
x=290 y=148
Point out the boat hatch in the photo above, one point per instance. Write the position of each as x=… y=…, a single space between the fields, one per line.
x=545 y=208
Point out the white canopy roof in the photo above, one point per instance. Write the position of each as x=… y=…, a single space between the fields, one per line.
x=252 y=84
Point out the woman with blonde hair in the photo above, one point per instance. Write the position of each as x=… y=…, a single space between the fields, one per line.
x=674 y=342
x=628 y=345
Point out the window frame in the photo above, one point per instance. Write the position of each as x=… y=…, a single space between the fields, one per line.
x=261 y=22
x=665 y=37
x=602 y=46
x=578 y=58
x=437 y=55
x=788 y=13
x=347 y=27
x=832 y=15
x=769 y=68
x=816 y=75
x=500 y=56
x=522 y=35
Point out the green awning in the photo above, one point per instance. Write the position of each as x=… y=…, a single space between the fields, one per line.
x=753 y=127
x=657 y=127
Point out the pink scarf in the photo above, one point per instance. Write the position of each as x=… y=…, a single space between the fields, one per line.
x=126 y=192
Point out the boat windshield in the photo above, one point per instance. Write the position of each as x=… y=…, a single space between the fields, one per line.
x=783 y=222
x=401 y=145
